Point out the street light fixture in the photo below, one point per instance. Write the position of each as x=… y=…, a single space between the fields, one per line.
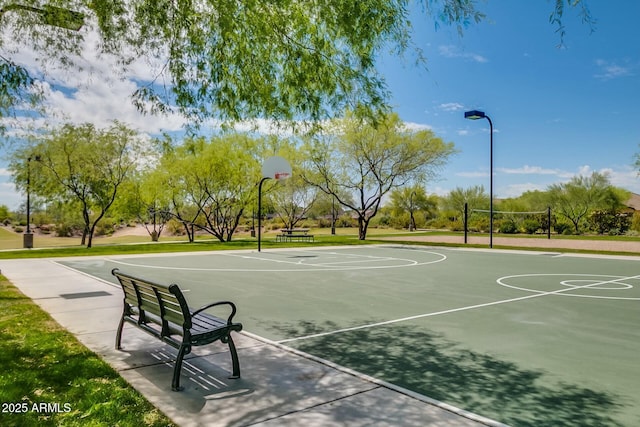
x=476 y=115
x=51 y=15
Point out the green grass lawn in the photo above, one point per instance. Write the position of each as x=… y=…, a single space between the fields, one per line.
x=11 y=248
x=11 y=243
x=50 y=379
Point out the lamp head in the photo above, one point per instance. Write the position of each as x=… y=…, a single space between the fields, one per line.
x=474 y=115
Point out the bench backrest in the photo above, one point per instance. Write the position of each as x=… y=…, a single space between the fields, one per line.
x=166 y=302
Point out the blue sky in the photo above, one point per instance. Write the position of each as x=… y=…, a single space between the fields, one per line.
x=557 y=111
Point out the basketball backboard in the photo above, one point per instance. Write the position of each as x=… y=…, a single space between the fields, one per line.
x=276 y=167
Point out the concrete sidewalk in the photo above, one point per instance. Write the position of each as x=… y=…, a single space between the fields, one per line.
x=279 y=386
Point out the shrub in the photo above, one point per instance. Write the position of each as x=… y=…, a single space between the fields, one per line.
x=345 y=221
x=609 y=221
x=64 y=230
x=175 y=227
x=46 y=228
x=615 y=232
x=324 y=222
x=440 y=222
x=456 y=226
x=480 y=223
x=635 y=221
x=508 y=227
x=106 y=227
x=562 y=228
x=530 y=226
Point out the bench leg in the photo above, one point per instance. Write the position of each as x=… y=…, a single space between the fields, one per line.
x=234 y=359
x=175 y=383
x=119 y=334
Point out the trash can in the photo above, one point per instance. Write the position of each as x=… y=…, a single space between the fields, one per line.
x=28 y=240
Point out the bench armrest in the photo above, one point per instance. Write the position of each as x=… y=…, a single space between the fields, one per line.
x=233 y=309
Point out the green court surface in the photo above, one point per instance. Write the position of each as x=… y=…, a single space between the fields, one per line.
x=528 y=339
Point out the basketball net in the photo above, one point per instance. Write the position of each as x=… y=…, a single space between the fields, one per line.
x=281 y=175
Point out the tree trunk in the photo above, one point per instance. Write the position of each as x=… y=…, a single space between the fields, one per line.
x=362 y=228
x=89 y=243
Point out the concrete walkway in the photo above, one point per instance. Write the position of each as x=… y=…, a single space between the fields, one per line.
x=279 y=386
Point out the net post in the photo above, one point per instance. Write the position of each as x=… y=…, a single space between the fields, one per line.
x=548 y=222
x=466 y=218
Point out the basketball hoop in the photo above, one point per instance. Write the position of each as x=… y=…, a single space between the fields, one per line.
x=276 y=167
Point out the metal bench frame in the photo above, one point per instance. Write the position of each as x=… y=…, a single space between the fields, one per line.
x=163 y=312
x=297 y=237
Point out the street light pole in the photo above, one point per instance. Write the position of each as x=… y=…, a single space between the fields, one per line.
x=475 y=115
x=28 y=194
x=27 y=241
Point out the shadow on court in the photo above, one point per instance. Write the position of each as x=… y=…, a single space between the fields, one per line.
x=426 y=363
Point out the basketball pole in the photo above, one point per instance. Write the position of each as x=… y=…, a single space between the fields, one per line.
x=260 y=209
x=274 y=167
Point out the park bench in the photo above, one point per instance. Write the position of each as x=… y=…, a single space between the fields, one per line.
x=294 y=234
x=162 y=311
x=294 y=237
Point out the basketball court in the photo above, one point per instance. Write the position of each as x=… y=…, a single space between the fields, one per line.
x=524 y=338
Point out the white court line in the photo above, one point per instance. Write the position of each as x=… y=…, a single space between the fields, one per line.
x=501 y=281
x=454 y=310
x=296 y=266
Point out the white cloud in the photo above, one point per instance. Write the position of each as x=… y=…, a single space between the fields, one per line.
x=451 y=106
x=440 y=191
x=97 y=91
x=611 y=70
x=450 y=51
x=416 y=126
x=473 y=174
x=529 y=170
x=584 y=170
x=516 y=190
x=624 y=177
x=9 y=196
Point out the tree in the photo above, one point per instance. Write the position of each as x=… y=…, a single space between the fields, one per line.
x=412 y=199
x=184 y=198
x=576 y=198
x=610 y=216
x=4 y=213
x=292 y=200
x=475 y=197
x=81 y=164
x=236 y=60
x=365 y=162
x=146 y=199
x=212 y=182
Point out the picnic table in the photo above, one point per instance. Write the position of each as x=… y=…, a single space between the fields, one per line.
x=297 y=234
